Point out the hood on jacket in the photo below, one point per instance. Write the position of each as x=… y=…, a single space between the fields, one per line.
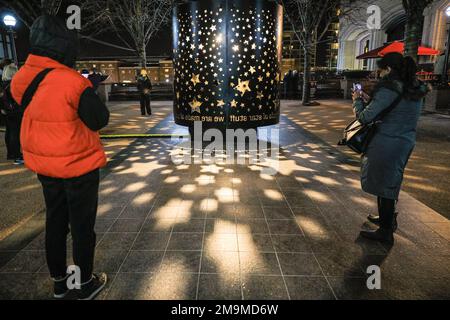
x=417 y=91
x=50 y=37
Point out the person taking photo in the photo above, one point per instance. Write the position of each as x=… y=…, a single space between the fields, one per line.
x=385 y=160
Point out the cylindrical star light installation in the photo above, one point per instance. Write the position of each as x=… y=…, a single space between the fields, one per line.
x=227 y=56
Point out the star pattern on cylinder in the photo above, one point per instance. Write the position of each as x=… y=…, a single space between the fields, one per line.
x=227 y=58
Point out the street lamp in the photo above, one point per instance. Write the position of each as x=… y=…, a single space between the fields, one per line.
x=10 y=21
x=447 y=50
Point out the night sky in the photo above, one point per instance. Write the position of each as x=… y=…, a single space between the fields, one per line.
x=160 y=45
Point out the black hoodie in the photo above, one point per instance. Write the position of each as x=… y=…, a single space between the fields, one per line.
x=50 y=37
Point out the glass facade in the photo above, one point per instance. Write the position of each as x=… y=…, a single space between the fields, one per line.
x=5 y=46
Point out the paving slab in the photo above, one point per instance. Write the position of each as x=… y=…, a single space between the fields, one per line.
x=184 y=231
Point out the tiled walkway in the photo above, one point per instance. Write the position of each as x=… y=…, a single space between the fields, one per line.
x=169 y=231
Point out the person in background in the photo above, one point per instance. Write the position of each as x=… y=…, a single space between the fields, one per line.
x=384 y=163
x=13 y=114
x=144 y=86
x=287 y=83
x=60 y=142
x=295 y=82
x=9 y=70
x=85 y=73
x=96 y=78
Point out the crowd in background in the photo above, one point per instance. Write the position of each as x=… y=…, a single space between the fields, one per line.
x=12 y=113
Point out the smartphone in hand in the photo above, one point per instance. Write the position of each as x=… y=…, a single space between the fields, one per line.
x=357 y=87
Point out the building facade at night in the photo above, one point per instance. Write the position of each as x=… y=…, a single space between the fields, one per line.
x=160 y=69
x=324 y=53
x=355 y=38
x=6 y=49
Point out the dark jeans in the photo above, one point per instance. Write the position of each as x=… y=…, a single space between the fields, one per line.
x=386 y=211
x=71 y=203
x=145 y=104
x=12 y=136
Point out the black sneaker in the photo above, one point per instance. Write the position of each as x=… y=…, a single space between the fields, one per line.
x=19 y=162
x=60 y=289
x=381 y=235
x=376 y=220
x=91 y=289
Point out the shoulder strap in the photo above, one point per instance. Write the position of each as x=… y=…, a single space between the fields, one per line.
x=32 y=88
x=388 y=110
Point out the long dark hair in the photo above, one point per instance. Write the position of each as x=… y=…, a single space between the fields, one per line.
x=403 y=68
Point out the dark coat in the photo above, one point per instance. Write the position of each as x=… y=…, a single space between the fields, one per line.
x=143 y=83
x=95 y=79
x=384 y=163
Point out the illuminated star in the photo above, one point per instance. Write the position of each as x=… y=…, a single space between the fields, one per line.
x=268 y=74
x=253 y=46
x=195 y=79
x=195 y=106
x=234 y=103
x=220 y=103
x=213 y=28
x=243 y=87
x=260 y=79
x=260 y=95
x=252 y=70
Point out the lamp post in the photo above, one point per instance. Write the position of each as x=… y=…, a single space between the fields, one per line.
x=447 y=50
x=11 y=22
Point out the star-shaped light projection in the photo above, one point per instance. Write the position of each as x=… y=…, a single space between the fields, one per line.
x=220 y=103
x=195 y=106
x=243 y=86
x=234 y=103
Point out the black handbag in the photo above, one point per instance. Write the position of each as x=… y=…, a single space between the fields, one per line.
x=357 y=136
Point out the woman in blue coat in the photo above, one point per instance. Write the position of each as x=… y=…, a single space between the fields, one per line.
x=384 y=162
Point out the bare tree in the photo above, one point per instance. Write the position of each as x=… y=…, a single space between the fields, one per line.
x=28 y=10
x=414 y=25
x=134 y=22
x=310 y=21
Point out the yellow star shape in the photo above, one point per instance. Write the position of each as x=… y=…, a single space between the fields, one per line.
x=260 y=79
x=243 y=86
x=195 y=79
x=252 y=70
x=260 y=95
x=220 y=103
x=195 y=106
x=234 y=103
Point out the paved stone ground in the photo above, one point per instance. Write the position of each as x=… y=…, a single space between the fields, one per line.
x=428 y=171
x=220 y=231
x=21 y=194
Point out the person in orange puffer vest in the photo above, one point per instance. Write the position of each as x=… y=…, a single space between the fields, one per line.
x=60 y=142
